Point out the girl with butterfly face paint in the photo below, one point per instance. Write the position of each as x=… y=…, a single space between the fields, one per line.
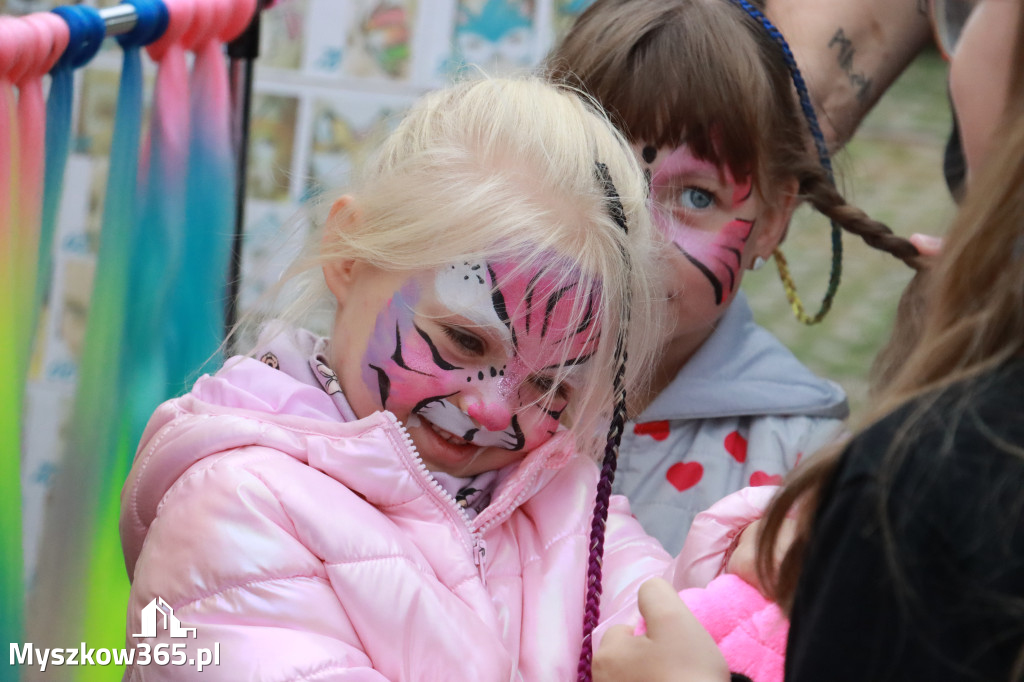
x=718 y=226
x=702 y=90
x=411 y=495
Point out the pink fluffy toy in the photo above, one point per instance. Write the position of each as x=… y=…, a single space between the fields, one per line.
x=749 y=630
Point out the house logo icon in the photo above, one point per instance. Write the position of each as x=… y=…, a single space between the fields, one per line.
x=170 y=621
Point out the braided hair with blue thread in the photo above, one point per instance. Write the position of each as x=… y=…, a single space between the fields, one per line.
x=823 y=157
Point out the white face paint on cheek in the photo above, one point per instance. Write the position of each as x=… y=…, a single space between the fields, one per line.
x=453 y=420
x=465 y=289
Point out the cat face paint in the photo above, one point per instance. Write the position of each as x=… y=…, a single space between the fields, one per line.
x=466 y=356
x=707 y=214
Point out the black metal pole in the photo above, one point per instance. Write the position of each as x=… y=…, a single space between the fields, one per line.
x=242 y=53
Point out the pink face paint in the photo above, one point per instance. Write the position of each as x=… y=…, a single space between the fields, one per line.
x=716 y=247
x=717 y=255
x=418 y=368
x=542 y=313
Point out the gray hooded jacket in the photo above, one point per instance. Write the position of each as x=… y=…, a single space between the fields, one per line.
x=740 y=413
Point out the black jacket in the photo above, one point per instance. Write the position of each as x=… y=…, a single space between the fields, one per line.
x=944 y=600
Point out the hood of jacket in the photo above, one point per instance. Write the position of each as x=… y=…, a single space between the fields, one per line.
x=742 y=369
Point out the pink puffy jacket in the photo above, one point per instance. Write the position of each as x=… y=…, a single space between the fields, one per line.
x=301 y=546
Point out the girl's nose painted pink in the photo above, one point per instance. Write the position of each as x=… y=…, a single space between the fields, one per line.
x=490 y=412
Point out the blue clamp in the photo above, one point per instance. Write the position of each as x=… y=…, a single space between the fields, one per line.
x=150 y=24
x=86 y=30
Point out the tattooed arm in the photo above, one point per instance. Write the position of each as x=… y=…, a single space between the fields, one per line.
x=850 y=52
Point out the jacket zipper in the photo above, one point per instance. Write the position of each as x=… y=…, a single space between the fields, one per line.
x=477 y=545
x=520 y=498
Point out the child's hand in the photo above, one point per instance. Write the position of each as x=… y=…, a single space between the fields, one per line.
x=743 y=559
x=675 y=647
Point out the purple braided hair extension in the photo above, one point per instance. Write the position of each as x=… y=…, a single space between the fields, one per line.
x=592 y=606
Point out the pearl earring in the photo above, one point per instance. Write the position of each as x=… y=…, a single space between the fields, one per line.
x=758 y=263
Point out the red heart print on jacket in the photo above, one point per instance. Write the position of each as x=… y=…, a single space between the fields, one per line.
x=763 y=478
x=684 y=475
x=736 y=445
x=656 y=430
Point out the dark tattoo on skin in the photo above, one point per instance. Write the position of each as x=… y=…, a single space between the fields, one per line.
x=860 y=82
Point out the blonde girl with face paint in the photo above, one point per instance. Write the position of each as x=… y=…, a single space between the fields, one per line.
x=704 y=91
x=409 y=497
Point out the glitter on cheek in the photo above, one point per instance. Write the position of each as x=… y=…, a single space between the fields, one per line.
x=515 y=375
x=507 y=388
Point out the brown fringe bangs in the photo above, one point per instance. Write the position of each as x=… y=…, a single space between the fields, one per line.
x=638 y=59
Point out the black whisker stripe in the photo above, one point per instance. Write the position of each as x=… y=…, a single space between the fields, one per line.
x=433 y=399
x=397 y=355
x=569 y=363
x=750 y=227
x=383 y=385
x=588 y=316
x=436 y=354
x=588 y=319
x=529 y=298
x=554 y=414
x=591 y=340
x=550 y=307
x=715 y=284
x=498 y=302
x=520 y=438
x=729 y=268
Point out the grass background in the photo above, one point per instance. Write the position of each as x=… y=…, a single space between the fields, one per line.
x=892 y=169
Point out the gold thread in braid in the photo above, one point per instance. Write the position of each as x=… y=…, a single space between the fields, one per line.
x=794 y=298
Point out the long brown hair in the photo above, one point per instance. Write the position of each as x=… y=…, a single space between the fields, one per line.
x=706 y=73
x=973 y=322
